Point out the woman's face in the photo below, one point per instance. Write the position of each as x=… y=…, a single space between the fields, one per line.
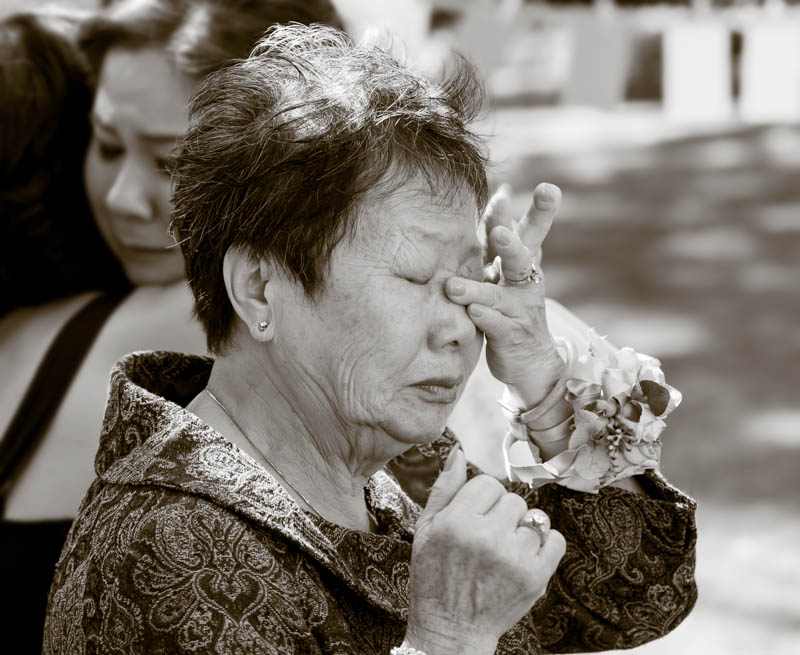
x=138 y=114
x=383 y=343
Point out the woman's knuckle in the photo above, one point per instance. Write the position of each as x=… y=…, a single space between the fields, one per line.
x=488 y=482
x=516 y=501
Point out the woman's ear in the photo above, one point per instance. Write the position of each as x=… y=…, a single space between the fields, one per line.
x=246 y=280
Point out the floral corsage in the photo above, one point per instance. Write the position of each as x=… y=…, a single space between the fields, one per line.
x=620 y=401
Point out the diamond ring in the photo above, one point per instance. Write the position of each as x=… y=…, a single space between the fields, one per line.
x=537 y=520
x=534 y=277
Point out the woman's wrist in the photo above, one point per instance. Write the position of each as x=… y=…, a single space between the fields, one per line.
x=555 y=439
x=448 y=642
x=532 y=389
x=538 y=410
x=405 y=649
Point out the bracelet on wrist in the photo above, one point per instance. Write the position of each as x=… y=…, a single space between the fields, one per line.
x=553 y=434
x=558 y=432
x=406 y=650
x=528 y=416
x=619 y=400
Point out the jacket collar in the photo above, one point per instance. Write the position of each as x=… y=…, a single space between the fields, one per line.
x=149 y=439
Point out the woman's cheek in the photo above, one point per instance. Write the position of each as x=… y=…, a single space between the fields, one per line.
x=163 y=200
x=99 y=176
x=473 y=352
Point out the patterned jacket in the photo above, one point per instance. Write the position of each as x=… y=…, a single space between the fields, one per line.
x=184 y=544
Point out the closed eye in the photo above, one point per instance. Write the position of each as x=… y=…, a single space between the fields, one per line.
x=109 y=151
x=417 y=280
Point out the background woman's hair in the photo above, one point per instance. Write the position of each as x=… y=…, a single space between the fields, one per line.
x=199 y=36
x=51 y=246
x=282 y=147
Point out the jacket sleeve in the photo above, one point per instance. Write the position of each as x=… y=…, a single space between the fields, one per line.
x=628 y=573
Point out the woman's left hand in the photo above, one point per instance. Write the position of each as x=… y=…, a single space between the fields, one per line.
x=519 y=346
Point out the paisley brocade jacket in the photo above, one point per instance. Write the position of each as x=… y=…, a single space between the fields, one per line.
x=184 y=544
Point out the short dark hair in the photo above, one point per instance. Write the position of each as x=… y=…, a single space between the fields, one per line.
x=199 y=36
x=282 y=147
x=52 y=247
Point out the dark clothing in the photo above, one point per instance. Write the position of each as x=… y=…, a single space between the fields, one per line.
x=29 y=550
x=186 y=544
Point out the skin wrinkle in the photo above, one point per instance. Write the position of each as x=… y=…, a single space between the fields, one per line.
x=357 y=462
x=343 y=402
x=312 y=438
x=300 y=447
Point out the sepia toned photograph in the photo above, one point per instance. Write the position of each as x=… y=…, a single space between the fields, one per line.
x=400 y=327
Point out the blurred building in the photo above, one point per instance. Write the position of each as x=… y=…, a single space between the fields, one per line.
x=702 y=61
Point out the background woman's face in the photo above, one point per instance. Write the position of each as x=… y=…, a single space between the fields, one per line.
x=138 y=114
x=383 y=337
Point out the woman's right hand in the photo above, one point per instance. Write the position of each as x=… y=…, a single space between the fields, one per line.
x=474 y=572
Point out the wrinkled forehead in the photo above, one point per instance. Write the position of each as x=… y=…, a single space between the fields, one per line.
x=413 y=211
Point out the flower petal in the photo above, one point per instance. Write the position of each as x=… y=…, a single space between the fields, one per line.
x=617 y=381
x=578 y=483
x=628 y=359
x=519 y=454
x=591 y=462
x=587 y=368
x=657 y=396
x=592 y=424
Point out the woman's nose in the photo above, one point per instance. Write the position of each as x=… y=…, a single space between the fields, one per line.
x=129 y=195
x=452 y=327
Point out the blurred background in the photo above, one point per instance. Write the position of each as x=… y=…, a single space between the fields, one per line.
x=673 y=129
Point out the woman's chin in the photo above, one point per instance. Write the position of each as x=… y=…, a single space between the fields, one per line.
x=420 y=427
x=422 y=421
x=163 y=274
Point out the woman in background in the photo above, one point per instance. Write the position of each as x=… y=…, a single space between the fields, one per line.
x=145 y=59
x=48 y=231
x=54 y=261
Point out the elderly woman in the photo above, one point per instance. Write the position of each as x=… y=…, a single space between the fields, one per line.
x=326 y=201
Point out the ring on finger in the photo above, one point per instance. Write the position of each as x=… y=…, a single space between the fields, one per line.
x=537 y=520
x=534 y=277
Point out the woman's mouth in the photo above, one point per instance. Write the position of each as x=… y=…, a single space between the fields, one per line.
x=439 y=390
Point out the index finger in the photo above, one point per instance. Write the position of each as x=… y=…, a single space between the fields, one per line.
x=536 y=224
x=498 y=212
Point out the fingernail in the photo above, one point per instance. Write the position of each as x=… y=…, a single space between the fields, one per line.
x=546 y=197
x=475 y=311
x=456 y=289
x=502 y=238
x=451 y=458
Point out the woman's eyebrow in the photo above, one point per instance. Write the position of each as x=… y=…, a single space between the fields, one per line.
x=163 y=138
x=155 y=138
